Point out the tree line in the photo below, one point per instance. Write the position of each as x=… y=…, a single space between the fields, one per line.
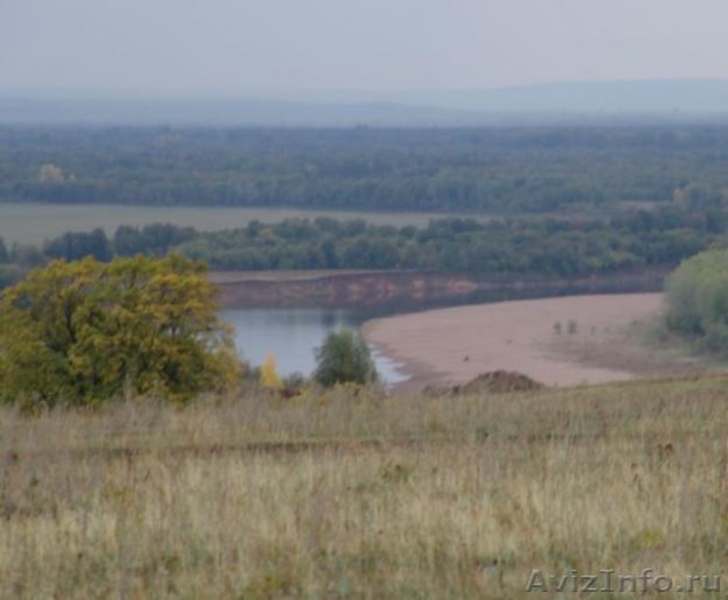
x=543 y=246
x=499 y=171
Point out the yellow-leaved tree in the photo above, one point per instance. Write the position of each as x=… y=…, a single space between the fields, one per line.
x=80 y=332
x=269 y=376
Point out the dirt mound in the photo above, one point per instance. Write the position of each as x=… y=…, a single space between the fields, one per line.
x=501 y=381
x=494 y=382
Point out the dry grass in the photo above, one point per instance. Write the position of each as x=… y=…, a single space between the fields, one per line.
x=347 y=495
x=32 y=223
x=642 y=347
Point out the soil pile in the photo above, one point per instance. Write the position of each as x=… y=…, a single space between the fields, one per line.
x=494 y=382
x=501 y=382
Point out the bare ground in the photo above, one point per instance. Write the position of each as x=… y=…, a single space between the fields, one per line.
x=275 y=276
x=558 y=341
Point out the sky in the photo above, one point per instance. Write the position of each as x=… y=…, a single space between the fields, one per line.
x=282 y=46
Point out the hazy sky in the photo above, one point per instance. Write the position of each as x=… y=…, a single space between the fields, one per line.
x=238 y=46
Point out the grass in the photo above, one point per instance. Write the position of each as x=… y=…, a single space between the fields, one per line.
x=31 y=224
x=642 y=347
x=348 y=494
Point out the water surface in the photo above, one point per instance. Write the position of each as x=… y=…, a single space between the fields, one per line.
x=294 y=334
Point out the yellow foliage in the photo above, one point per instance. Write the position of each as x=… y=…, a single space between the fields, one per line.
x=86 y=331
x=269 y=376
x=50 y=174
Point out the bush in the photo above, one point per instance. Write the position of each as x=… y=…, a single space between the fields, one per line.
x=84 y=331
x=344 y=357
x=294 y=381
x=697 y=300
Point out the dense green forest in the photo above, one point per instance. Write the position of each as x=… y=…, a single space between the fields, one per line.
x=590 y=177
x=455 y=245
x=631 y=240
x=498 y=171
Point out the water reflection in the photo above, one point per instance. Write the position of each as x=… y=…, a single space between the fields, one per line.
x=293 y=335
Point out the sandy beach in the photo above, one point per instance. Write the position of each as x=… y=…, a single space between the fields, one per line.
x=558 y=341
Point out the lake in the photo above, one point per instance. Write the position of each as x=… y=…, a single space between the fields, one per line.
x=293 y=334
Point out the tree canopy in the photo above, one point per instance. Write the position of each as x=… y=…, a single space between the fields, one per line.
x=81 y=332
x=493 y=170
x=344 y=357
x=697 y=300
x=545 y=246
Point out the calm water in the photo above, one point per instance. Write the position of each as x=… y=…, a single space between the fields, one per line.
x=293 y=334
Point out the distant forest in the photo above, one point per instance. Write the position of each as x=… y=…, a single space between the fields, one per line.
x=496 y=171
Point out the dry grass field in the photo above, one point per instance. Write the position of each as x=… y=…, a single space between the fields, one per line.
x=31 y=224
x=356 y=494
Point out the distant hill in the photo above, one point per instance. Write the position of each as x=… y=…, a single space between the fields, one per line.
x=690 y=97
x=220 y=112
x=558 y=103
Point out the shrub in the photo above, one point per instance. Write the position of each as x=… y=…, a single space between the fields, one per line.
x=294 y=381
x=697 y=299
x=344 y=357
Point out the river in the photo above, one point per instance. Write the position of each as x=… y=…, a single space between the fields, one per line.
x=292 y=335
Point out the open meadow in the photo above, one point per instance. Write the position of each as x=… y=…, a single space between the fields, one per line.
x=355 y=494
